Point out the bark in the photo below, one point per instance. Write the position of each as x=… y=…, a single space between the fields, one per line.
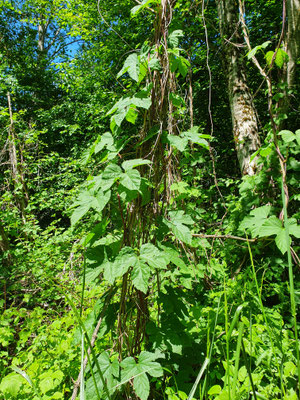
x=244 y=121
x=292 y=48
x=42 y=31
x=16 y=167
x=4 y=247
x=4 y=243
x=292 y=39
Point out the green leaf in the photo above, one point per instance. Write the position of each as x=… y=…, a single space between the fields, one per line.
x=124 y=260
x=132 y=114
x=294 y=229
x=79 y=212
x=143 y=70
x=280 y=241
x=145 y=3
x=287 y=136
x=255 y=220
x=140 y=100
x=242 y=374
x=216 y=389
x=129 y=369
x=269 y=57
x=289 y=369
x=173 y=256
x=182 y=233
x=57 y=375
x=131 y=65
x=110 y=369
x=106 y=140
x=173 y=63
x=11 y=384
x=192 y=134
x=87 y=200
x=177 y=223
x=174 y=37
x=147 y=364
x=271 y=226
x=83 y=203
x=177 y=101
x=153 y=256
x=138 y=370
x=195 y=137
x=154 y=64
x=92 y=274
x=265 y=44
x=281 y=58
x=111 y=174
x=120 y=110
x=130 y=164
x=297 y=133
x=252 y=52
x=180 y=217
x=183 y=66
x=140 y=276
x=266 y=150
x=141 y=386
x=178 y=142
x=131 y=179
x=120 y=105
x=101 y=200
x=46 y=384
x=119 y=116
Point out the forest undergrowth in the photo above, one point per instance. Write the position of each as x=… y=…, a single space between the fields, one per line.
x=149 y=200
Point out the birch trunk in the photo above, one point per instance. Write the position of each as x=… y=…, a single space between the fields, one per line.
x=244 y=121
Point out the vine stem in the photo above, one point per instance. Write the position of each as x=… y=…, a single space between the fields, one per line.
x=200 y=235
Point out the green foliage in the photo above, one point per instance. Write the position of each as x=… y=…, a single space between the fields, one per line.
x=114 y=231
x=280 y=58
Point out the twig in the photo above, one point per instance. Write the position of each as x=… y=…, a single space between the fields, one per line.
x=99 y=11
x=200 y=235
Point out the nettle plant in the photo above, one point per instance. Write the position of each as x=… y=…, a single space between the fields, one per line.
x=136 y=241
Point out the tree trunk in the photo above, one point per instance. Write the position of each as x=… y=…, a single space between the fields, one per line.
x=42 y=31
x=292 y=48
x=244 y=121
x=292 y=39
x=16 y=167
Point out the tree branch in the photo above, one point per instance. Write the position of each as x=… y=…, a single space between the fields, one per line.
x=200 y=235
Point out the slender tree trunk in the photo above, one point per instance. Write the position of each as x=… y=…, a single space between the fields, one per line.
x=7 y=261
x=16 y=167
x=292 y=39
x=292 y=47
x=244 y=121
x=42 y=31
x=4 y=243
